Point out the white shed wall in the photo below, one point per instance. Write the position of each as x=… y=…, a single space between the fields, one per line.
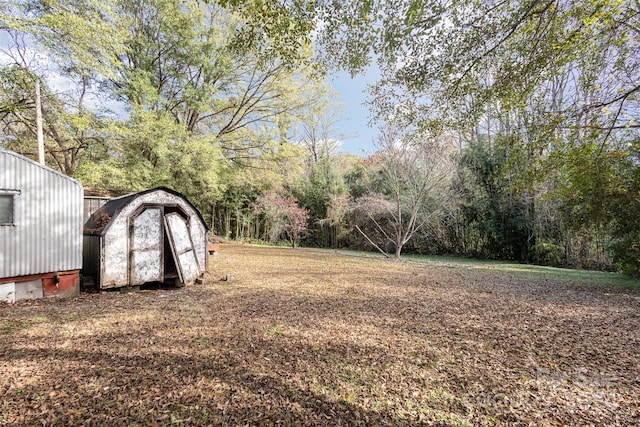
x=199 y=237
x=47 y=231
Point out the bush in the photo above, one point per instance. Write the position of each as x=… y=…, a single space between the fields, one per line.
x=547 y=254
x=626 y=253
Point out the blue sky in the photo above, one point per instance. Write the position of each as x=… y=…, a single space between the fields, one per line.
x=354 y=129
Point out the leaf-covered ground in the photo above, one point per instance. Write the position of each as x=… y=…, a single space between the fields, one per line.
x=313 y=338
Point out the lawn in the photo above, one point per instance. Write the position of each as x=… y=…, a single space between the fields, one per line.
x=303 y=337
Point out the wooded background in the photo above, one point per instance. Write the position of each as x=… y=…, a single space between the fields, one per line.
x=508 y=129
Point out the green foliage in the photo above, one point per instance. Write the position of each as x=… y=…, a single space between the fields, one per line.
x=322 y=182
x=348 y=32
x=553 y=84
x=151 y=150
x=494 y=217
x=358 y=179
x=277 y=170
x=279 y=30
x=601 y=191
x=78 y=35
x=626 y=252
x=321 y=190
x=72 y=133
x=221 y=100
x=18 y=85
x=206 y=107
x=17 y=113
x=547 y=254
x=625 y=205
x=491 y=51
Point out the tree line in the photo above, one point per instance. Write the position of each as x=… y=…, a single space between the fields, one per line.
x=508 y=129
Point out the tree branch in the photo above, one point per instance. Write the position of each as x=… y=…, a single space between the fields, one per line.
x=371 y=241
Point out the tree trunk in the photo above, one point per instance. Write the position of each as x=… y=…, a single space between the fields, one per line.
x=398 y=251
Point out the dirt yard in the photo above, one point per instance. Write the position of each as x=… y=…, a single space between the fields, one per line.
x=302 y=337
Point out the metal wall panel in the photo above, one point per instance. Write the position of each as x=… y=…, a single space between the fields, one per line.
x=47 y=232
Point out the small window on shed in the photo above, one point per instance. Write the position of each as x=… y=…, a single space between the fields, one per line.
x=7 y=207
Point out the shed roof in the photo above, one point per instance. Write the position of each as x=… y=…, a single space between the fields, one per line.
x=97 y=223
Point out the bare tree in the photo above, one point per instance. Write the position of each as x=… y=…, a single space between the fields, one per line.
x=318 y=119
x=411 y=190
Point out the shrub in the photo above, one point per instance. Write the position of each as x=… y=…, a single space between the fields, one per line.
x=547 y=254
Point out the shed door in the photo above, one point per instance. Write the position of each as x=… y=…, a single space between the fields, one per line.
x=182 y=247
x=146 y=246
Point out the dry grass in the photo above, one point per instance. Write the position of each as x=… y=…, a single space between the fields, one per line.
x=310 y=338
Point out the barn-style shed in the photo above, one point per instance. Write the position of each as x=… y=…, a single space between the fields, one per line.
x=40 y=230
x=155 y=235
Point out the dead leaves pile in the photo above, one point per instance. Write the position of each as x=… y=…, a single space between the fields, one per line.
x=311 y=338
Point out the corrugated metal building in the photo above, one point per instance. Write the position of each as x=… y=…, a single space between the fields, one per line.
x=40 y=230
x=155 y=235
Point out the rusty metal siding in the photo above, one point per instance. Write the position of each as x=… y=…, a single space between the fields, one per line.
x=47 y=232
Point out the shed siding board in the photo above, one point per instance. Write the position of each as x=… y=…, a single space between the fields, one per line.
x=182 y=247
x=146 y=240
x=47 y=231
x=199 y=237
x=116 y=254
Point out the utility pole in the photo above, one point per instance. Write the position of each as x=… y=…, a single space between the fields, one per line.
x=39 y=131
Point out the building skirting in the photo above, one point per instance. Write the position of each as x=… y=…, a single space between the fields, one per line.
x=62 y=284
